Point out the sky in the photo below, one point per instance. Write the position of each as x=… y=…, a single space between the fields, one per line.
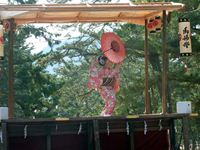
x=41 y=44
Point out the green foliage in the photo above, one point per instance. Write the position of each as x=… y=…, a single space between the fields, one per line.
x=35 y=89
x=64 y=92
x=75 y=99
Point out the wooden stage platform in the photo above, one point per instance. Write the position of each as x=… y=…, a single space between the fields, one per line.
x=134 y=132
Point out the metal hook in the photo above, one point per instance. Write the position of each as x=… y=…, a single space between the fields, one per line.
x=127 y=128
x=145 y=128
x=25 y=131
x=108 y=129
x=160 y=125
x=80 y=128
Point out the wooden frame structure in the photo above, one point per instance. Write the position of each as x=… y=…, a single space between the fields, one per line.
x=76 y=13
x=136 y=13
x=21 y=134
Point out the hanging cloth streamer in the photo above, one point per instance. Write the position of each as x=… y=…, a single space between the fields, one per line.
x=1 y=137
x=80 y=129
x=127 y=128
x=145 y=128
x=1 y=43
x=25 y=131
x=185 y=37
x=160 y=125
x=108 y=129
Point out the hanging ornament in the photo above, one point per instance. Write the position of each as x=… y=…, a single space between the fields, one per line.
x=158 y=23
x=154 y=24
x=185 y=37
x=1 y=42
x=150 y=26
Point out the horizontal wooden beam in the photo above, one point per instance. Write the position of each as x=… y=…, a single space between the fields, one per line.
x=134 y=13
x=79 y=18
x=130 y=117
x=94 y=7
x=138 y=20
x=152 y=15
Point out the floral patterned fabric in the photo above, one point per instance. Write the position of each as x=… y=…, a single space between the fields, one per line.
x=96 y=75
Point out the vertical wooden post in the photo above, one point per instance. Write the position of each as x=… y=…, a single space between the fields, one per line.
x=89 y=136
x=132 y=147
x=5 y=136
x=186 y=133
x=164 y=64
x=96 y=134
x=172 y=135
x=48 y=142
x=10 y=70
x=146 y=58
